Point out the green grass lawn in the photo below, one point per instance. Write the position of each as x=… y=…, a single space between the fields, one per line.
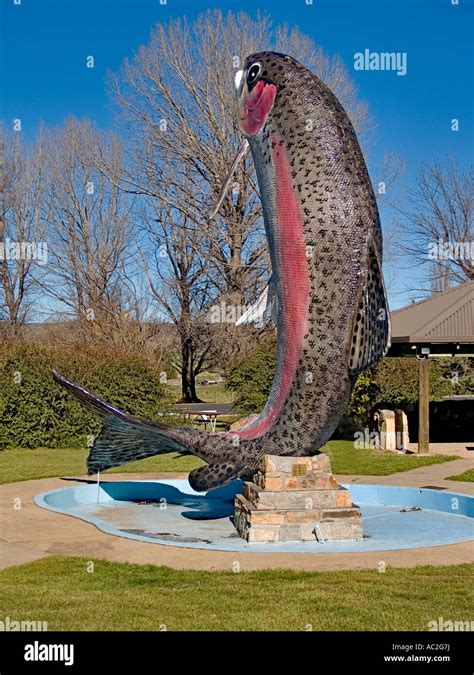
x=120 y=596
x=210 y=393
x=346 y=459
x=467 y=476
x=26 y=464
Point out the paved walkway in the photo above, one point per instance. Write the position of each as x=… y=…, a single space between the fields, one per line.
x=433 y=475
x=458 y=449
x=28 y=532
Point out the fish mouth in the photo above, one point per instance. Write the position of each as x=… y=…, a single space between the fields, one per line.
x=255 y=107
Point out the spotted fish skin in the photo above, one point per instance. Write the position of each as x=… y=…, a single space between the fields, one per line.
x=325 y=245
x=341 y=228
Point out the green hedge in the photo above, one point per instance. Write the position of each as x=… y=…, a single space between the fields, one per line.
x=36 y=411
x=251 y=378
x=393 y=382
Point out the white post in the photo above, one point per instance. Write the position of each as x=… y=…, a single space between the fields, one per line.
x=318 y=533
x=98 y=486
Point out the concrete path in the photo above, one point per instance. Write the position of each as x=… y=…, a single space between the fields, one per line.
x=28 y=532
x=459 y=449
x=434 y=475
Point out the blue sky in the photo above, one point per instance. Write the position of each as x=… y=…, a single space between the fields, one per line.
x=44 y=44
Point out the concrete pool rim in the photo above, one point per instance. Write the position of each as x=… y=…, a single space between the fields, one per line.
x=399 y=496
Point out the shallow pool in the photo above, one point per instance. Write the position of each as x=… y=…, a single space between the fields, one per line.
x=169 y=512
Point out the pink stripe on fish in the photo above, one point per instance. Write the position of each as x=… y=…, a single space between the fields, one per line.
x=295 y=283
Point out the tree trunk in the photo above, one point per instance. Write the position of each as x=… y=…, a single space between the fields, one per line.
x=188 y=377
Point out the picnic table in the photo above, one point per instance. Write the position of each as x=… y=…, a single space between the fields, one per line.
x=205 y=413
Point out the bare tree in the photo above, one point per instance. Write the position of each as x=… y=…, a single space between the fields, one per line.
x=176 y=99
x=389 y=172
x=92 y=235
x=22 y=233
x=388 y=186
x=179 y=283
x=439 y=222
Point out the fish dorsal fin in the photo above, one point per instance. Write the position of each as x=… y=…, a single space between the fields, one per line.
x=371 y=332
x=242 y=151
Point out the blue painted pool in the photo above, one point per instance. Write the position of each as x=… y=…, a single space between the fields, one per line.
x=169 y=512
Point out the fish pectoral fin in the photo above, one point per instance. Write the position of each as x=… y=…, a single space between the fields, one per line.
x=263 y=309
x=241 y=152
x=214 y=475
x=244 y=422
x=371 y=333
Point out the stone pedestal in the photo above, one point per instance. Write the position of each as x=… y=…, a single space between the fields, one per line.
x=386 y=420
x=296 y=499
x=401 y=426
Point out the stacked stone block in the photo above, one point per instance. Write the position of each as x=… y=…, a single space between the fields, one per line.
x=296 y=499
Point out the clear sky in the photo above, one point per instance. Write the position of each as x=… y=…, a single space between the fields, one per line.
x=44 y=45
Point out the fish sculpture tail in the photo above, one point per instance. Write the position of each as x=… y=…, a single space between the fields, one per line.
x=125 y=439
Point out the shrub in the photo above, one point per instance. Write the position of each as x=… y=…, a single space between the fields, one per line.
x=393 y=383
x=251 y=378
x=36 y=411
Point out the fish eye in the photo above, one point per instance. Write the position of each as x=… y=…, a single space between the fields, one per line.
x=253 y=72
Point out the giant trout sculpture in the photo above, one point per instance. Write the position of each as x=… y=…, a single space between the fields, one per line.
x=326 y=286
